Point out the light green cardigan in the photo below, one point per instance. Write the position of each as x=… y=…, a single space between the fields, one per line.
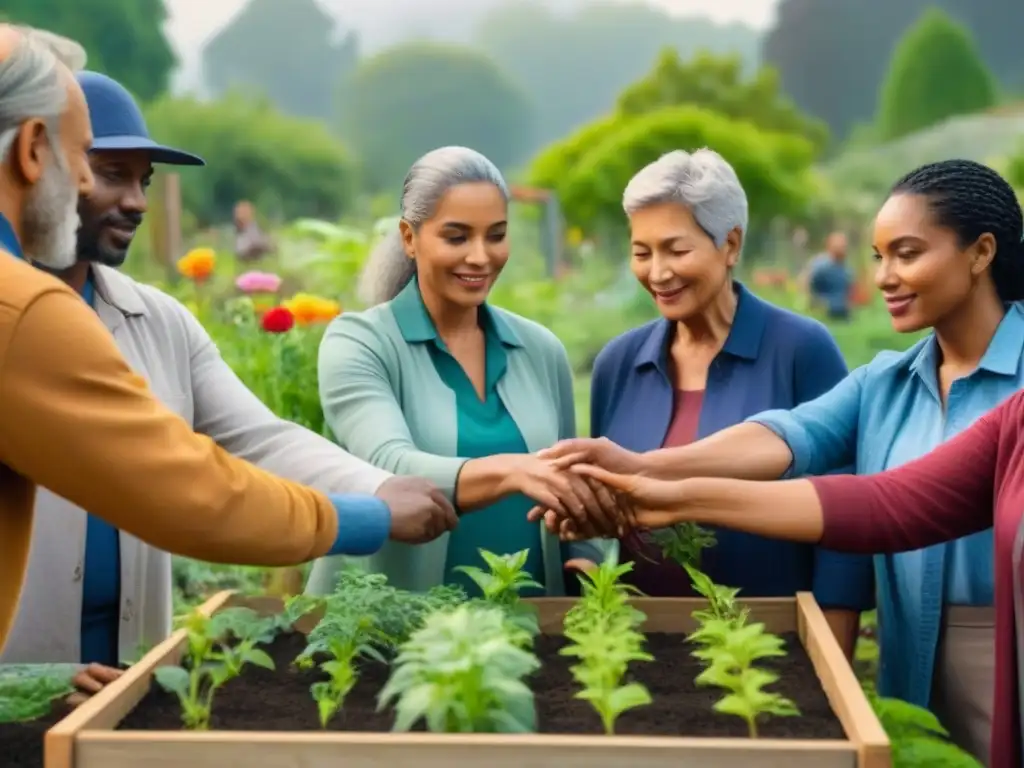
x=386 y=404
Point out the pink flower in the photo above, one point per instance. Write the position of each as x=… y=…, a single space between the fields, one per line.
x=258 y=282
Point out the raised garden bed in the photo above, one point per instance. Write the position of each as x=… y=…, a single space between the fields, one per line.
x=267 y=719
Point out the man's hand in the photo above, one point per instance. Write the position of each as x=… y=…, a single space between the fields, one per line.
x=90 y=681
x=419 y=511
x=599 y=451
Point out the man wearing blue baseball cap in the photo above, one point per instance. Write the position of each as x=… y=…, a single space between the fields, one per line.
x=98 y=603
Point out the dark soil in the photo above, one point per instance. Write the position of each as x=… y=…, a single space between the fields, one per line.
x=21 y=744
x=280 y=701
x=261 y=700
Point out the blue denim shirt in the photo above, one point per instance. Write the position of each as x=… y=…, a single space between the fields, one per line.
x=885 y=414
x=772 y=358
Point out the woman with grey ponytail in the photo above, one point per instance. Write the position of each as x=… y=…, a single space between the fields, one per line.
x=434 y=382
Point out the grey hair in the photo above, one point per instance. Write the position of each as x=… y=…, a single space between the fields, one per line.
x=389 y=269
x=30 y=81
x=703 y=181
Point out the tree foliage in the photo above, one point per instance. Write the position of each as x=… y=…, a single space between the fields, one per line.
x=416 y=97
x=124 y=38
x=287 y=166
x=936 y=73
x=592 y=167
x=574 y=62
x=718 y=83
x=832 y=56
x=299 y=77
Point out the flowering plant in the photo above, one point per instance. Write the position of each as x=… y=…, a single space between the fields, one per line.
x=309 y=309
x=198 y=264
x=277 y=320
x=258 y=282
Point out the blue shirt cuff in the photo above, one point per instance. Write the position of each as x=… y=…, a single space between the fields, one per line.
x=364 y=523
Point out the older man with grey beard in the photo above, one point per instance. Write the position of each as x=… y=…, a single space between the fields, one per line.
x=95 y=594
x=77 y=420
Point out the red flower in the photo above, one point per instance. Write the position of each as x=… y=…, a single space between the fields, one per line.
x=278 y=320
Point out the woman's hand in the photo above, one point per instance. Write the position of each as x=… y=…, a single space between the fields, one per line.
x=599 y=451
x=593 y=508
x=642 y=503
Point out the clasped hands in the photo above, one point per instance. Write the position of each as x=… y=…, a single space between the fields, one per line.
x=597 y=489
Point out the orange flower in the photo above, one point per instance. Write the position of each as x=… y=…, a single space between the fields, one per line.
x=309 y=309
x=197 y=264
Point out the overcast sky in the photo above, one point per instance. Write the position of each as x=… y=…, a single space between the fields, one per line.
x=194 y=21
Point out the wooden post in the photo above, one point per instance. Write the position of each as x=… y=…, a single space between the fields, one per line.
x=172 y=221
x=164 y=221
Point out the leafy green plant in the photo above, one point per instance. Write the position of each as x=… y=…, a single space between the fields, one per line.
x=28 y=691
x=462 y=672
x=343 y=650
x=393 y=613
x=605 y=649
x=722 y=602
x=502 y=585
x=603 y=594
x=218 y=648
x=730 y=652
x=918 y=738
x=602 y=628
x=683 y=543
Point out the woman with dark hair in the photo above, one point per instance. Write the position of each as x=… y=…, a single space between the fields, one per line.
x=949 y=253
x=434 y=381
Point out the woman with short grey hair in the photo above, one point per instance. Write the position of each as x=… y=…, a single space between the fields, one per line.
x=717 y=355
x=433 y=381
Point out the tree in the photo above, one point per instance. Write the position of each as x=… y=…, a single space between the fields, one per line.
x=598 y=162
x=289 y=167
x=124 y=38
x=832 y=56
x=301 y=77
x=575 y=63
x=936 y=73
x=416 y=97
x=718 y=84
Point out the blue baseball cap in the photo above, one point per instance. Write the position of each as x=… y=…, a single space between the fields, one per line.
x=117 y=121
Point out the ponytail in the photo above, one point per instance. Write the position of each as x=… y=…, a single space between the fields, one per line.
x=386 y=272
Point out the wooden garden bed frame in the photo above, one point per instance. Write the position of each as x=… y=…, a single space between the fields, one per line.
x=87 y=739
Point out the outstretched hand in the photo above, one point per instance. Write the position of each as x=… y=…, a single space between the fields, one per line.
x=641 y=502
x=599 y=451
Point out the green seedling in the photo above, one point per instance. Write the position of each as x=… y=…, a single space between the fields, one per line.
x=463 y=672
x=730 y=652
x=502 y=586
x=605 y=649
x=603 y=594
x=722 y=602
x=683 y=543
x=505 y=580
x=343 y=650
x=28 y=691
x=602 y=628
x=217 y=649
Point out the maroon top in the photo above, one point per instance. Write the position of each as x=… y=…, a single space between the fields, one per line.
x=972 y=482
x=652 y=574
